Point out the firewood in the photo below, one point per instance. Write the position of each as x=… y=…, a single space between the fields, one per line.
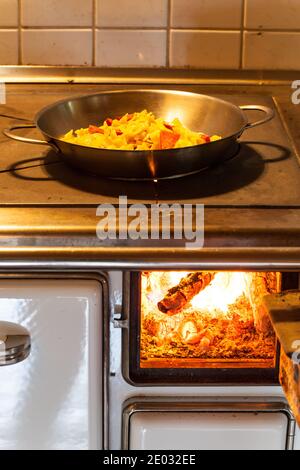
x=257 y=289
x=180 y=295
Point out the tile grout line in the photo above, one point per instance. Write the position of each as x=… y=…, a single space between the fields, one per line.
x=89 y=28
x=243 y=17
x=153 y=28
x=94 y=33
x=20 y=52
x=168 y=31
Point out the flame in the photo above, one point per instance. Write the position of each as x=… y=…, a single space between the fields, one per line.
x=176 y=276
x=218 y=299
x=155 y=285
x=223 y=291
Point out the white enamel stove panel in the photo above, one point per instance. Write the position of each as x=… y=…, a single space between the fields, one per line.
x=208 y=431
x=53 y=399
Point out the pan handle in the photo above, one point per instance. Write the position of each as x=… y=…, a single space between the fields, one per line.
x=8 y=132
x=265 y=109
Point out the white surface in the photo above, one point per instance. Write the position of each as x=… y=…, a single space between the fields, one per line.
x=205 y=49
x=206 y=13
x=130 y=48
x=297 y=438
x=132 y=13
x=53 y=399
x=274 y=14
x=8 y=12
x=8 y=46
x=208 y=431
x=271 y=50
x=57 y=13
x=57 y=46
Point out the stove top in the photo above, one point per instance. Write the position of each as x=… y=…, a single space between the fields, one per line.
x=265 y=172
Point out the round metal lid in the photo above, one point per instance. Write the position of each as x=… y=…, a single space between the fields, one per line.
x=14 y=343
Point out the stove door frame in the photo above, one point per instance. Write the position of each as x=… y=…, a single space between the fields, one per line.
x=138 y=377
x=157 y=404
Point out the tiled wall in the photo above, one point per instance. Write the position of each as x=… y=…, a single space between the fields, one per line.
x=204 y=34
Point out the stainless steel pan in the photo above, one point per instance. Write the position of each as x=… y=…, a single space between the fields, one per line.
x=198 y=112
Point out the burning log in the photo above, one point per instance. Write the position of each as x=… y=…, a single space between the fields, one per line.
x=257 y=289
x=179 y=296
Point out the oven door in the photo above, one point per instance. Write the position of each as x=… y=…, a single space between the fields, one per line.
x=161 y=425
x=284 y=312
x=51 y=397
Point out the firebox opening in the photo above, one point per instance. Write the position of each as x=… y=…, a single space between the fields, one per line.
x=207 y=320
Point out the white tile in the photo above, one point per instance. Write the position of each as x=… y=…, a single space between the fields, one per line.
x=206 y=13
x=270 y=14
x=270 y=50
x=57 y=12
x=57 y=47
x=136 y=48
x=9 y=13
x=9 y=47
x=205 y=49
x=132 y=13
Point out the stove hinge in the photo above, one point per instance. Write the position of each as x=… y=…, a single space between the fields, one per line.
x=118 y=322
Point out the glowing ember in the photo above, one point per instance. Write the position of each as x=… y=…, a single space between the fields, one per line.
x=189 y=331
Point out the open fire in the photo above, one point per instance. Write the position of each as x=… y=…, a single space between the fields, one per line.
x=203 y=319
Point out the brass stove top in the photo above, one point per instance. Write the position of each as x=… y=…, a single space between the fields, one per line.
x=264 y=173
x=45 y=205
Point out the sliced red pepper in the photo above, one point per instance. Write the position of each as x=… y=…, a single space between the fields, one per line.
x=118 y=132
x=206 y=138
x=168 y=139
x=109 y=121
x=95 y=130
x=168 y=126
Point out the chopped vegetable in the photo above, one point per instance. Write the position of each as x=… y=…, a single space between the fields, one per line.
x=206 y=138
x=168 y=139
x=95 y=130
x=138 y=131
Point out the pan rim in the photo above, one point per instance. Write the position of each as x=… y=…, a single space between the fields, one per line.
x=139 y=90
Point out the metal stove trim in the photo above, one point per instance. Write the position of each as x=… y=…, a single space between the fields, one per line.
x=153 y=404
x=122 y=75
x=138 y=259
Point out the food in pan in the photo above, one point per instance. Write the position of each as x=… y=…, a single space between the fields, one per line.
x=138 y=131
